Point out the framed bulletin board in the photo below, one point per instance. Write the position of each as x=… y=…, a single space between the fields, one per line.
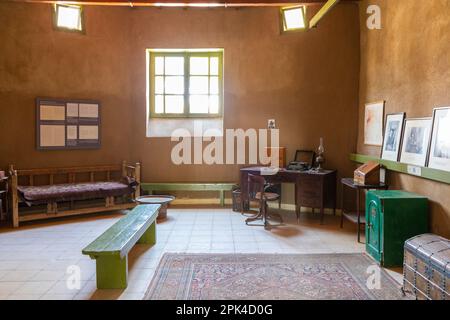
x=67 y=124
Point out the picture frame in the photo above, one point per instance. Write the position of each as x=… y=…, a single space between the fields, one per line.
x=392 y=137
x=373 y=123
x=439 y=150
x=416 y=141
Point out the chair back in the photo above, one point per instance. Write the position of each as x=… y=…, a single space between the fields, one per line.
x=256 y=185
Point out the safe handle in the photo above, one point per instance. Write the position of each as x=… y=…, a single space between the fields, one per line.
x=371 y=205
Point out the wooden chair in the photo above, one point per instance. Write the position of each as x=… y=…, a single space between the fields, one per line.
x=257 y=193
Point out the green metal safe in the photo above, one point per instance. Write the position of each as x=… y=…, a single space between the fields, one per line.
x=392 y=217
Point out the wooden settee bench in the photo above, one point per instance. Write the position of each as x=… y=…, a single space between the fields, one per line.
x=58 y=192
x=171 y=186
x=110 y=250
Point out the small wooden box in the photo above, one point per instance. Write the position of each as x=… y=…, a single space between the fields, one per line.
x=426 y=267
x=281 y=152
x=367 y=174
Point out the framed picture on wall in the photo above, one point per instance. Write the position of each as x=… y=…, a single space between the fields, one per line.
x=416 y=140
x=373 y=123
x=439 y=157
x=392 y=136
x=63 y=124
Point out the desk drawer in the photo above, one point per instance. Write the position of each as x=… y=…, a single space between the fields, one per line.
x=309 y=192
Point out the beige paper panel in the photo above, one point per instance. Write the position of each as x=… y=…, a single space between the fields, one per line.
x=72 y=132
x=52 y=113
x=52 y=136
x=88 y=110
x=72 y=109
x=89 y=132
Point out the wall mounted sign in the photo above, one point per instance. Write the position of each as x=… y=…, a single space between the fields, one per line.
x=439 y=157
x=373 y=123
x=67 y=124
x=416 y=139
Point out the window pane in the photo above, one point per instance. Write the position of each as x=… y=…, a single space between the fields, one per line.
x=159 y=65
x=198 y=85
x=199 y=65
x=214 y=66
x=214 y=104
x=159 y=85
x=159 y=104
x=69 y=17
x=294 y=18
x=174 y=85
x=198 y=104
x=174 y=104
x=174 y=65
x=214 y=85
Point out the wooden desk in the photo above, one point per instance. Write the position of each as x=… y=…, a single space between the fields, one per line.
x=312 y=189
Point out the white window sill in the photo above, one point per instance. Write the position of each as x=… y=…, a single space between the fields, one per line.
x=165 y=127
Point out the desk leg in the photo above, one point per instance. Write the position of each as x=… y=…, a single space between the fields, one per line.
x=342 y=206
x=244 y=192
x=335 y=205
x=358 y=213
x=322 y=214
x=297 y=203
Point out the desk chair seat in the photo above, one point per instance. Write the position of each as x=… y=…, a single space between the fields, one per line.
x=274 y=188
x=257 y=194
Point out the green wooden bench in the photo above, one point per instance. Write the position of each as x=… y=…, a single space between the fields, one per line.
x=111 y=248
x=169 y=186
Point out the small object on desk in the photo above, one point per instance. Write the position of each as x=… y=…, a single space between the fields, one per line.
x=320 y=158
x=355 y=216
x=368 y=174
x=303 y=160
x=2 y=174
x=155 y=199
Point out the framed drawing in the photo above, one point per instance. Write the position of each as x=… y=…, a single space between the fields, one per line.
x=392 y=136
x=373 y=123
x=416 y=138
x=439 y=157
x=67 y=124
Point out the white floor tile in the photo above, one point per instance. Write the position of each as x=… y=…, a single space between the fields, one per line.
x=34 y=260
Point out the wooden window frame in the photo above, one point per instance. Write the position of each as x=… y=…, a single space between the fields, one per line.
x=55 y=9
x=186 y=54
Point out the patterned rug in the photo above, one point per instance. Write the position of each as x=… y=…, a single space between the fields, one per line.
x=270 y=276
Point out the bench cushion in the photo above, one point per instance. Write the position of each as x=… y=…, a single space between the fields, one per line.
x=121 y=236
x=75 y=191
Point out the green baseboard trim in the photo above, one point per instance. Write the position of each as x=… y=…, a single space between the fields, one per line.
x=426 y=173
x=174 y=186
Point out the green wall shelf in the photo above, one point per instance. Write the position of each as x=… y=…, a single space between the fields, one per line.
x=426 y=173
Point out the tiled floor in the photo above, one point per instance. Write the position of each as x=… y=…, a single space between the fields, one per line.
x=34 y=259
